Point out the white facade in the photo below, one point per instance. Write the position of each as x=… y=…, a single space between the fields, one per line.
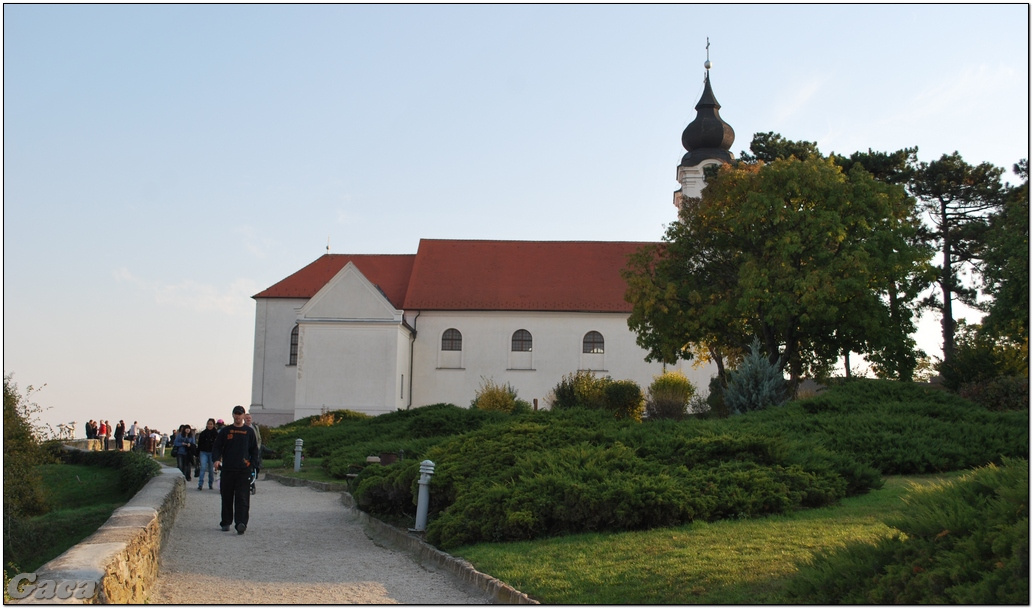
x=356 y=351
x=692 y=181
x=557 y=339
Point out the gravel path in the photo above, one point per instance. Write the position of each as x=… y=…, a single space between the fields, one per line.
x=300 y=547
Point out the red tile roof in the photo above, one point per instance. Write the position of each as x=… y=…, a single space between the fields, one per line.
x=473 y=275
x=390 y=272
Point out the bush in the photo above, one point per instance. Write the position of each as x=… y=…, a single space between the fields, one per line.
x=135 y=469
x=566 y=471
x=756 y=384
x=581 y=389
x=669 y=396
x=23 y=495
x=1001 y=393
x=715 y=402
x=624 y=399
x=963 y=542
x=345 y=446
x=979 y=358
x=901 y=428
x=498 y=398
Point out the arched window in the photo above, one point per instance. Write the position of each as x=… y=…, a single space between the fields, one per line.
x=452 y=340
x=521 y=340
x=293 y=361
x=593 y=343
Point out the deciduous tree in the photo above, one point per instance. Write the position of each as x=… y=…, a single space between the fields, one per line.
x=796 y=252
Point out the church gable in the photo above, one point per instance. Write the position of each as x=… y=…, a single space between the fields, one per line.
x=349 y=295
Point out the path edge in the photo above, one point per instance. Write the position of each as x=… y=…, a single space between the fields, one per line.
x=121 y=558
x=462 y=572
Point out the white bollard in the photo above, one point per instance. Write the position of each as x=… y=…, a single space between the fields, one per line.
x=297 y=454
x=423 y=499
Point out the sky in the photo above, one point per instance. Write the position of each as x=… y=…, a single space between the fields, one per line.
x=163 y=164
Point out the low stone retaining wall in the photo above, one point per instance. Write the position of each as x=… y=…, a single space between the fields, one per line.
x=427 y=555
x=121 y=557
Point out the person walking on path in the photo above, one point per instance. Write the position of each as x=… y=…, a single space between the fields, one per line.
x=182 y=450
x=235 y=452
x=205 y=444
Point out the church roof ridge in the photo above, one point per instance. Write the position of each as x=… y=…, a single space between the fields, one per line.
x=484 y=274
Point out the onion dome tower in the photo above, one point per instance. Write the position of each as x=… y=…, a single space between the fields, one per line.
x=707 y=141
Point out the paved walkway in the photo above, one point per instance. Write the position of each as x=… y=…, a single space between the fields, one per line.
x=301 y=546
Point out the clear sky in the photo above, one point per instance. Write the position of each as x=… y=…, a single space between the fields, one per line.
x=162 y=164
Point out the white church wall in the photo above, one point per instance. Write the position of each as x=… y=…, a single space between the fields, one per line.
x=348 y=365
x=273 y=379
x=692 y=180
x=556 y=351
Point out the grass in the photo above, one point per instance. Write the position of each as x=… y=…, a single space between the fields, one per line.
x=724 y=562
x=83 y=498
x=311 y=470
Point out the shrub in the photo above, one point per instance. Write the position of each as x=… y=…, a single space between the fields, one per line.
x=346 y=445
x=756 y=384
x=900 y=428
x=498 y=398
x=134 y=468
x=387 y=490
x=624 y=399
x=715 y=401
x=669 y=396
x=23 y=495
x=581 y=389
x=978 y=358
x=1001 y=393
x=565 y=471
x=964 y=542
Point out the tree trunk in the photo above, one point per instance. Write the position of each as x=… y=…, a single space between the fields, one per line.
x=947 y=285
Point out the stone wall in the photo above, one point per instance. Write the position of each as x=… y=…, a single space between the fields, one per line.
x=121 y=557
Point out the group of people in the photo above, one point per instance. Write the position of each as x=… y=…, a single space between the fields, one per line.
x=232 y=450
x=235 y=451
x=134 y=437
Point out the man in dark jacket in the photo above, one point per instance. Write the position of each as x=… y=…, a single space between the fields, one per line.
x=234 y=453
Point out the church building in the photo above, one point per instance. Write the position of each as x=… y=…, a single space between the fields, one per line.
x=377 y=333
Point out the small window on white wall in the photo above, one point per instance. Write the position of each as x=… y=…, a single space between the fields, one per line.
x=452 y=340
x=592 y=343
x=293 y=361
x=521 y=340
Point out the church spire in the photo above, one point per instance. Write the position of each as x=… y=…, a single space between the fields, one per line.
x=707 y=140
x=708 y=136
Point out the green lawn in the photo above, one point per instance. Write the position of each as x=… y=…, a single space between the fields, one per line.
x=311 y=470
x=82 y=497
x=724 y=562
